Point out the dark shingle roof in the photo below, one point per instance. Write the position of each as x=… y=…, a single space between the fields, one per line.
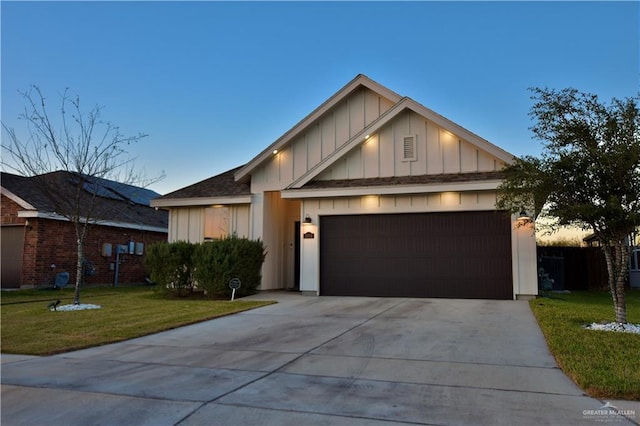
x=222 y=185
x=117 y=202
x=405 y=180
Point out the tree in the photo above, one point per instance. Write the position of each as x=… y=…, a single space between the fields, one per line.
x=588 y=174
x=83 y=145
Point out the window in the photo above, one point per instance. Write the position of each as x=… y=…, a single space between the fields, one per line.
x=216 y=223
x=409 y=148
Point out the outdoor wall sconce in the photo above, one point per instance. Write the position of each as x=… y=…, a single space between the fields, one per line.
x=307 y=219
x=523 y=218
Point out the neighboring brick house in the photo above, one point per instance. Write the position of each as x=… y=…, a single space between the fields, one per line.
x=38 y=243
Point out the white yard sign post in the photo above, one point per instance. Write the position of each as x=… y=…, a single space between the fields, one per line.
x=234 y=284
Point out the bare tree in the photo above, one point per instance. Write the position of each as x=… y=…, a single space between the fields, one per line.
x=79 y=143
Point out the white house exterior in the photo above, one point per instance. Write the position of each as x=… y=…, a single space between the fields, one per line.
x=371 y=194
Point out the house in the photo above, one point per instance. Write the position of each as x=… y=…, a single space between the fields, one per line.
x=38 y=243
x=371 y=194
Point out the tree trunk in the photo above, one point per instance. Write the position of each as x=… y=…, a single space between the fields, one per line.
x=79 y=272
x=615 y=254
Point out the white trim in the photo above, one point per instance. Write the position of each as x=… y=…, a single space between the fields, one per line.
x=487 y=185
x=195 y=201
x=353 y=142
x=460 y=131
x=114 y=224
x=374 y=126
x=359 y=80
x=13 y=197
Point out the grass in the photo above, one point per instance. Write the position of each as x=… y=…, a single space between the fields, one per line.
x=29 y=327
x=604 y=364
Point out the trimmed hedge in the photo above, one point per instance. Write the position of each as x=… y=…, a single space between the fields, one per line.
x=170 y=266
x=208 y=266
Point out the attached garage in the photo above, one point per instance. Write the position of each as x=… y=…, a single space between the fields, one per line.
x=373 y=194
x=451 y=255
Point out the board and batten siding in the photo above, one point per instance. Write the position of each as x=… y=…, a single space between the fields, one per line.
x=188 y=223
x=319 y=140
x=437 y=151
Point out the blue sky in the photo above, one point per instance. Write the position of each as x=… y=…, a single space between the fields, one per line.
x=214 y=83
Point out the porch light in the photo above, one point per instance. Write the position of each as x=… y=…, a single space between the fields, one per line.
x=307 y=219
x=523 y=218
x=275 y=151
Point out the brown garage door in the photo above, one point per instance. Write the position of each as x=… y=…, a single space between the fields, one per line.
x=456 y=255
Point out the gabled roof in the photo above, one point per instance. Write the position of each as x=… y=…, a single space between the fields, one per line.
x=402 y=105
x=219 y=189
x=360 y=80
x=119 y=204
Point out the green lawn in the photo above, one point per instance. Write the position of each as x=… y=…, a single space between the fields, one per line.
x=604 y=364
x=29 y=327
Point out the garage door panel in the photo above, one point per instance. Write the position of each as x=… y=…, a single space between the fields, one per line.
x=462 y=255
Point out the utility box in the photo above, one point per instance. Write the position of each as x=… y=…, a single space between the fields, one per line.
x=106 y=250
x=139 y=249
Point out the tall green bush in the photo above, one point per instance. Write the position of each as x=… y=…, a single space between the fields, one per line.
x=170 y=266
x=217 y=262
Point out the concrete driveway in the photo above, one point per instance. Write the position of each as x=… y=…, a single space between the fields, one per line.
x=312 y=361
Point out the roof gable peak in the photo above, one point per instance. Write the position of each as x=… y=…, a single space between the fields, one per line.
x=360 y=80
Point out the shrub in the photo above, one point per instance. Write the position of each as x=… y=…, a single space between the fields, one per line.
x=170 y=266
x=218 y=261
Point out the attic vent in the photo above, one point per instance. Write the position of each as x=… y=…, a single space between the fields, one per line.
x=409 y=148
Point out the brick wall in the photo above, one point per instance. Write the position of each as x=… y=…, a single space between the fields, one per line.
x=53 y=242
x=9 y=212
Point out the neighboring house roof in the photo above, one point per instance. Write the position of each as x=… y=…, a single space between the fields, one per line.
x=119 y=204
x=219 y=189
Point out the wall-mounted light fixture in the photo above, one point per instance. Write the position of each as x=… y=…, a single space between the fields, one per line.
x=307 y=219
x=523 y=218
x=275 y=151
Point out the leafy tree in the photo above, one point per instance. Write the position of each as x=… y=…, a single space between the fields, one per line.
x=588 y=174
x=76 y=142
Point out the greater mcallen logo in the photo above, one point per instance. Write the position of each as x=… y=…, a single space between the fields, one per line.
x=607 y=413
